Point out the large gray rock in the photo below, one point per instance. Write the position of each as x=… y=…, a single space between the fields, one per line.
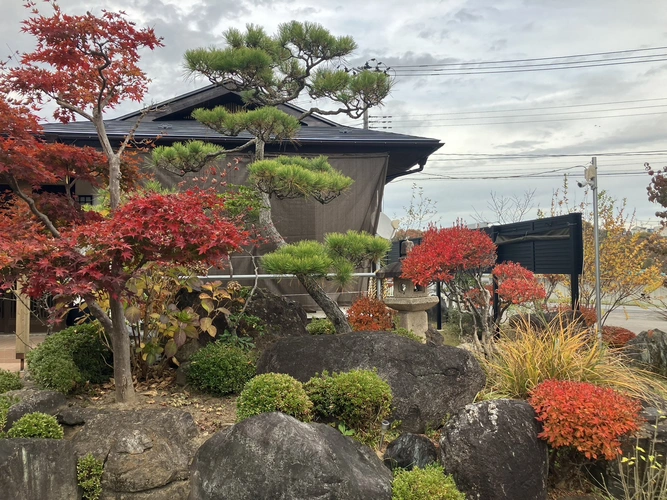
x=37 y=469
x=409 y=451
x=493 y=452
x=31 y=401
x=649 y=350
x=146 y=452
x=428 y=382
x=275 y=457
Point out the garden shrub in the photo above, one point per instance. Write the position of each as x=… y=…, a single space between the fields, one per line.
x=429 y=483
x=9 y=381
x=68 y=359
x=36 y=425
x=89 y=472
x=589 y=418
x=274 y=392
x=368 y=314
x=409 y=334
x=561 y=350
x=221 y=369
x=360 y=399
x=616 y=336
x=6 y=403
x=321 y=327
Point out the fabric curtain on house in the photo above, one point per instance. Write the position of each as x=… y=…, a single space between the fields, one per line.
x=358 y=209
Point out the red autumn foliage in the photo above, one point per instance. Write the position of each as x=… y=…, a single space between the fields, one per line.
x=447 y=251
x=589 y=418
x=87 y=61
x=370 y=315
x=516 y=284
x=616 y=336
x=102 y=254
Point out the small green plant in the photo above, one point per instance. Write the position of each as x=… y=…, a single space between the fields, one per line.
x=321 y=327
x=221 y=369
x=228 y=338
x=345 y=431
x=89 y=472
x=66 y=360
x=360 y=399
x=274 y=392
x=36 y=425
x=6 y=403
x=409 y=334
x=429 y=483
x=9 y=381
x=642 y=473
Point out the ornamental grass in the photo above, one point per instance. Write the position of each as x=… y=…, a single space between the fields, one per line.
x=562 y=351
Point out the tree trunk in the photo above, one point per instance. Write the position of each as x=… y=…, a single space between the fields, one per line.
x=328 y=305
x=122 y=364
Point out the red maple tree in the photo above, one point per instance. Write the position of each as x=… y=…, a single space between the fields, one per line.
x=88 y=64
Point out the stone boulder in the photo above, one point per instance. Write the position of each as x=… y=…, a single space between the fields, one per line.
x=493 y=452
x=37 y=469
x=409 y=451
x=147 y=453
x=273 y=456
x=31 y=401
x=427 y=382
x=649 y=351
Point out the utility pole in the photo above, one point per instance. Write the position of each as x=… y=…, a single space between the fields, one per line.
x=592 y=177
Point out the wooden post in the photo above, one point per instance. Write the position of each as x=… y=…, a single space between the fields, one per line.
x=22 y=324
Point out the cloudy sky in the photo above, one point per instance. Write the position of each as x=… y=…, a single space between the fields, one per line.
x=506 y=131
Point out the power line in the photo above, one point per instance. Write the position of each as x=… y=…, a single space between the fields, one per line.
x=554 y=155
x=526 y=69
x=528 y=121
x=560 y=113
x=591 y=54
x=508 y=177
x=527 y=109
x=644 y=58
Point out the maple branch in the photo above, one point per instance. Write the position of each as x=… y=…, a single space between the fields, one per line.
x=99 y=313
x=71 y=107
x=13 y=183
x=130 y=134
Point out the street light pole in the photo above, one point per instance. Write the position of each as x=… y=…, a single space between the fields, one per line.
x=592 y=178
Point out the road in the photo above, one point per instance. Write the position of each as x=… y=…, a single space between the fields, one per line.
x=637 y=319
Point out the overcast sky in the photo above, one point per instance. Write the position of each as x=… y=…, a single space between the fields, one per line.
x=513 y=113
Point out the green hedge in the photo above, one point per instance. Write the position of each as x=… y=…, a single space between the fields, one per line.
x=274 y=392
x=221 y=369
x=36 y=425
x=429 y=483
x=9 y=381
x=66 y=360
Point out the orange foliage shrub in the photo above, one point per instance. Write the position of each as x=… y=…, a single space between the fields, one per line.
x=616 y=336
x=370 y=315
x=584 y=416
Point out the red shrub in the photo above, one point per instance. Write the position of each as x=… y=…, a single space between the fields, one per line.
x=588 y=314
x=617 y=336
x=368 y=314
x=584 y=416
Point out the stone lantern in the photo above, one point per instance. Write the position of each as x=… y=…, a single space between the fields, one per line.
x=410 y=300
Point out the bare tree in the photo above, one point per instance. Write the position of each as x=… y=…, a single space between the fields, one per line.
x=507 y=209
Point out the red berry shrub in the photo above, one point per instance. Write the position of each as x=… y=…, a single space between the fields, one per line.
x=584 y=416
x=370 y=315
x=616 y=336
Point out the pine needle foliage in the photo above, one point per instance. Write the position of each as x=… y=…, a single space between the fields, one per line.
x=288 y=177
x=267 y=123
x=303 y=258
x=183 y=157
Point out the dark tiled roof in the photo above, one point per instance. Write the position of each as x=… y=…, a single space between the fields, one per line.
x=191 y=129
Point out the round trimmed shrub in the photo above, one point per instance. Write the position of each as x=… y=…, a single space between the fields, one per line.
x=429 y=483
x=321 y=327
x=358 y=398
x=274 y=392
x=9 y=381
x=220 y=369
x=36 y=425
x=66 y=360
